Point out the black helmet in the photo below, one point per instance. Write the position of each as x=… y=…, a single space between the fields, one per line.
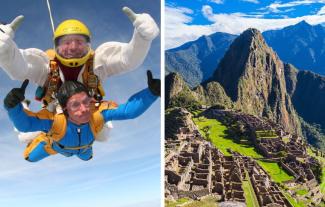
x=68 y=89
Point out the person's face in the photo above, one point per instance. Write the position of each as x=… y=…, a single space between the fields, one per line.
x=72 y=46
x=78 y=108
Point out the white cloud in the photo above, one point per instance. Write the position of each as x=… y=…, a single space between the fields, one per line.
x=252 y=1
x=178 y=31
x=217 y=1
x=276 y=6
x=321 y=11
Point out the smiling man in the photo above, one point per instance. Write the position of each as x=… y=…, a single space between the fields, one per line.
x=73 y=131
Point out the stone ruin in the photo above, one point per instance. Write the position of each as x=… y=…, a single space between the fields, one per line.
x=197 y=169
x=194 y=168
x=300 y=170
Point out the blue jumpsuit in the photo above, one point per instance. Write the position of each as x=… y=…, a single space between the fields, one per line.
x=77 y=135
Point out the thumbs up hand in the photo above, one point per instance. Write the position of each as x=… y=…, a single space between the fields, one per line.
x=7 y=33
x=9 y=29
x=16 y=95
x=143 y=23
x=153 y=84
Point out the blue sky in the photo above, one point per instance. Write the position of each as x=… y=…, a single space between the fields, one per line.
x=187 y=20
x=125 y=171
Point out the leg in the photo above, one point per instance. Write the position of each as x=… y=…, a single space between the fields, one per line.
x=38 y=149
x=38 y=153
x=86 y=155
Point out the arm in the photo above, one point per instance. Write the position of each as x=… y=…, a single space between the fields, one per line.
x=113 y=58
x=21 y=64
x=27 y=123
x=135 y=106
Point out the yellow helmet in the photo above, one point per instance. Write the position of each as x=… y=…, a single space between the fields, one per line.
x=67 y=27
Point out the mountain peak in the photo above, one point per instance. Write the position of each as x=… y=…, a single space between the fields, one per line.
x=303 y=23
x=251 y=32
x=252 y=38
x=252 y=76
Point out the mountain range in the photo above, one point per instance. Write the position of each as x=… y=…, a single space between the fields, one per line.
x=301 y=45
x=253 y=79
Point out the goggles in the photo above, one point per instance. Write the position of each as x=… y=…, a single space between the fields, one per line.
x=75 y=105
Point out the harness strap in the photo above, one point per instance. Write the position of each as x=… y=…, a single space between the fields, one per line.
x=74 y=148
x=52 y=83
x=91 y=80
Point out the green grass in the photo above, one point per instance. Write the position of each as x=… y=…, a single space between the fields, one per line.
x=285 y=139
x=275 y=171
x=322 y=160
x=301 y=192
x=322 y=185
x=175 y=203
x=250 y=197
x=218 y=138
x=293 y=202
x=209 y=201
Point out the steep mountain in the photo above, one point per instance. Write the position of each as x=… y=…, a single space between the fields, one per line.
x=307 y=91
x=301 y=45
x=252 y=75
x=177 y=93
x=213 y=94
x=197 y=60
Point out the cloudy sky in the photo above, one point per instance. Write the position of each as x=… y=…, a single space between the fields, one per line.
x=187 y=20
x=125 y=171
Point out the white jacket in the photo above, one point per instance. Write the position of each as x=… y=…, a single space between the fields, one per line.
x=111 y=58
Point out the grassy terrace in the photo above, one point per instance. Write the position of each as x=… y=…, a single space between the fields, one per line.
x=250 y=197
x=322 y=160
x=175 y=203
x=220 y=139
x=293 y=202
x=206 y=202
x=322 y=185
x=275 y=171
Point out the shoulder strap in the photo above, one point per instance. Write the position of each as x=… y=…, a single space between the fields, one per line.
x=53 y=80
x=91 y=80
x=50 y=54
x=59 y=127
x=42 y=114
x=97 y=120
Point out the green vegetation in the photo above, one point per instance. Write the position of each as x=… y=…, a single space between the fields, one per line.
x=209 y=201
x=285 y=139
x=186 y=100
x=301 y=192
x=293 y=202
x=314 y=133
x=250 y=197
x=266 y=134
x=175 y=203
x=275 y=171
x=220 y=139
x=322 y=161
x=322 y=185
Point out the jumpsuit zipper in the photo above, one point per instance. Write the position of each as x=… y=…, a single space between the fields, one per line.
x=79 y=136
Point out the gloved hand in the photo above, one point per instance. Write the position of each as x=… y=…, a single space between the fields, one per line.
x=7 y=33
x=143 y=23
x=153 y=84
x=16 y=95
x=9 y=29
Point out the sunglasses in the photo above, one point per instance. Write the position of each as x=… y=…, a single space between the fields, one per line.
x=75 y=105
